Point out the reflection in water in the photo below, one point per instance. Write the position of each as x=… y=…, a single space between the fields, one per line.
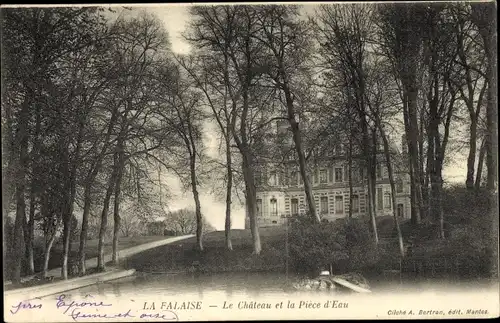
x=249 y=284
x=253 y=285
x=116 y=290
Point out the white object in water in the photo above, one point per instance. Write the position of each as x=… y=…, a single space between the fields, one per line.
x=325 y=273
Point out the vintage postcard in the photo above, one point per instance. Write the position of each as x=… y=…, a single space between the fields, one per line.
x=250 y=161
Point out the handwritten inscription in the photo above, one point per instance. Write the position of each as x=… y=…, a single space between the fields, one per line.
x=88 y=308
x=24 y=305
x=76 y=314
x=62 y=303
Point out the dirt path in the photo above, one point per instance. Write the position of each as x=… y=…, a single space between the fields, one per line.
x=92 y=262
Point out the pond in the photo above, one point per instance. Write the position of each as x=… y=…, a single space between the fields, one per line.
x=259 y=284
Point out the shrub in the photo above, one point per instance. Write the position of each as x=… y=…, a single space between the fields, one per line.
x=461 y=204
x=346 y=245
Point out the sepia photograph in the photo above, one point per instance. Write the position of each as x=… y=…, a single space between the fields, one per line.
x=249 y=161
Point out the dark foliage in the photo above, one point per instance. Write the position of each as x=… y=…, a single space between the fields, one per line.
x=346 y=245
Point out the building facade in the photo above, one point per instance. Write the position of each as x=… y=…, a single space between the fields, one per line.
x=280 y=189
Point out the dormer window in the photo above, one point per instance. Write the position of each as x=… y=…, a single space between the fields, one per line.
x=274 y=206
x=323 y=176
x=273 y=178
x=399 y=186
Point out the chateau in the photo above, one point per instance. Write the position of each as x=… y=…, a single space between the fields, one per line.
x=280 y=189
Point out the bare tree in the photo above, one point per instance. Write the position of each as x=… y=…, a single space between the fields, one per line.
x=227 y=31
x=401 y=40
x=288 y=46
x=208 y=77
x=483 y=16
x=344 y=31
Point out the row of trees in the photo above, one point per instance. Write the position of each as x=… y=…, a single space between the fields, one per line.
x=349 y=74
x=95 y=103
x=93 y=107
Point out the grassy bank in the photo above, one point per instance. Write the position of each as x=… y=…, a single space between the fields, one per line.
x=428 y=257
x=91 y=249
x=182 y=256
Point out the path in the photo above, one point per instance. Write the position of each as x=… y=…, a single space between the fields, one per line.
x=92 y=262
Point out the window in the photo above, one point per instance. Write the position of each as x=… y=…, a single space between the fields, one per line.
x=274 y=207
x=380 y=199
x=338 y=148
x=379 y=171
x=361 y=174
x=355 y=203
x=258 y=178
x=387 y=201
x=281 y=178
x=399 y=186
x=338 y=174
x=324 y=204
x=293 y=178
x=323 y=176
x=339 y=204
x=273 y=178
x=401 y=210
x=316 y=176
x=330 y=175
x=295 y=206
x=354 y=174
x=259 y=207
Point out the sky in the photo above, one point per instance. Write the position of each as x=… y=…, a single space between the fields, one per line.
x=176 y=18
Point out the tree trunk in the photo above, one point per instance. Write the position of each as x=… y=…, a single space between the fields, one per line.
x=297 y=139
x=48 y=248
x=471 y=159
x=390 y=172
x=31 y=235
x=491 y=121
x=33 y=192
x=18 y=247
x=480 y=162
x=439 y=188
x=483 y=15
x=117 y=200
x=251 y=202
x=67 y=204
x=424 y=179
x=194 y=188
x=227 y=225
x=71 y=192
x=371 y=209
x=87 y=202
x=116 y=206
x=104 y=215
x=432 y=133
x=369 y=172
x=372 y=182
x=413 y=136
x=89 y=183
x=350 y=177
x=66 y=234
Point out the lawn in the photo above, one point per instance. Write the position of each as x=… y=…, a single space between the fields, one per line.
x=91 y=249
x=182 y=255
